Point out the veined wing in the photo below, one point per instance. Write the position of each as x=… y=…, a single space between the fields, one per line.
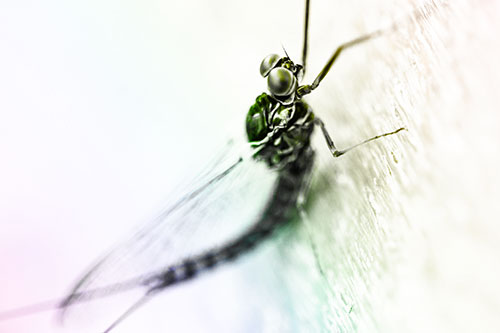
x=225 y=201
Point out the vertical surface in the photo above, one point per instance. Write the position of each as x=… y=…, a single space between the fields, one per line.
x=406 y=228
x=105 y=106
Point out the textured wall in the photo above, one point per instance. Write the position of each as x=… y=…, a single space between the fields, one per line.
x=105 y=105
x=406 y=228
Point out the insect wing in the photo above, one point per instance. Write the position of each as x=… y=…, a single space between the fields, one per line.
x=227 y=200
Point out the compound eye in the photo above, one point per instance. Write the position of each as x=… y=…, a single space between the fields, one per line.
x=281 y=82
x=268 y=64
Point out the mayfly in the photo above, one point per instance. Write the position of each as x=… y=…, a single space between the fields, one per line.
x=279 y=126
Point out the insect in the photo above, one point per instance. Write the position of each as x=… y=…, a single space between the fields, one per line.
x=279 y=126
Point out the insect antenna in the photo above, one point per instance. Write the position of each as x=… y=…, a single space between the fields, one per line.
x=284 y=50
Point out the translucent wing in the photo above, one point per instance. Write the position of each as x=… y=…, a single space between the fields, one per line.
x=223 y=202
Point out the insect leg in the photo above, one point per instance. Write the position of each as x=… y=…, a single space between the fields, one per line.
x=301 y=200
x=305 y=219
x=308 y=88
x=418 y=13
x=306 y=34
x=335 y=152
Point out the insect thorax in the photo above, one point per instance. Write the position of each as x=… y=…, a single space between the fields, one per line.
x=282 y=129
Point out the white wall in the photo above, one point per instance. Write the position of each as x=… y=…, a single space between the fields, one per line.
x=104 y=106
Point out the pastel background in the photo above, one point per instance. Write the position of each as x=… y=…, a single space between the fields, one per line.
x=106 y=106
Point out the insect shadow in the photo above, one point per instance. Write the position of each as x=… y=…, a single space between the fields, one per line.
x=279 y=126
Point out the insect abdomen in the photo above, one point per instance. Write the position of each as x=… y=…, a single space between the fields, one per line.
x=279 y=210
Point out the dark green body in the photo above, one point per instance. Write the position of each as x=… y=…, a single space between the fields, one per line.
x=282 y=129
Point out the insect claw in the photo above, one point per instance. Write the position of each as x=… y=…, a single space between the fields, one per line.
x=338 y=153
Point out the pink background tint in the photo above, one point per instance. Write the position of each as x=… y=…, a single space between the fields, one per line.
x=104 y=107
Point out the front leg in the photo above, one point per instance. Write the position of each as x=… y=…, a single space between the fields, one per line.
x=335 y=152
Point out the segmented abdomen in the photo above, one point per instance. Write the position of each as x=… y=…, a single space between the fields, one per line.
x=279 y=210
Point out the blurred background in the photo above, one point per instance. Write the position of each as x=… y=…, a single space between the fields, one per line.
x=105 y=107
